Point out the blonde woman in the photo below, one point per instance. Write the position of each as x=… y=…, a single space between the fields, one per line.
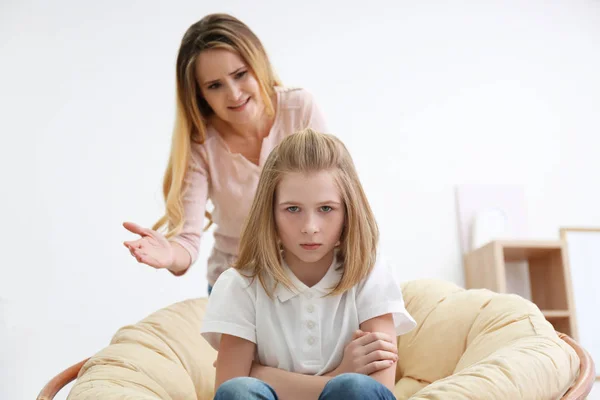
x=306 y=279
x=231 y=111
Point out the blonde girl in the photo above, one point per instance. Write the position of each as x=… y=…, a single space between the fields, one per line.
x=307 y=279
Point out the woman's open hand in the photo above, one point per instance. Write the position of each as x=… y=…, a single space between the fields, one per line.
x=152 y=248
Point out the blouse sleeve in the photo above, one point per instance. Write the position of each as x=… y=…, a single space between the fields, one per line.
x=230 y=309
x=194 y=204
x=380 y=294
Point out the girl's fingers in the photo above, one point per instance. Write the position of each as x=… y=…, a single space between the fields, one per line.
x=358 y=333
x=372 y=337
x=380 y=355
x=381 y=345
x=375 y=366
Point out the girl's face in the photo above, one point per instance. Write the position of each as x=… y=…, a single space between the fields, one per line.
x=309 y=216
x=229 y=86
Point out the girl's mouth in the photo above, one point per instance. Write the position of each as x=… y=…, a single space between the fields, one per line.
x=310 y=246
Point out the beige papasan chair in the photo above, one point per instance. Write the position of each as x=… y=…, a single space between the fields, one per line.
x=468 y=344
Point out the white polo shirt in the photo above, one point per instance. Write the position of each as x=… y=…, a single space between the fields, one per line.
x=301 y=331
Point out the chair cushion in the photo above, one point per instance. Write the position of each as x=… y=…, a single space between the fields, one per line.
x=479 y=344
x=161 y=357
x=468 y=344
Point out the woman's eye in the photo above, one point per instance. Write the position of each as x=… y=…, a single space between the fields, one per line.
x=241 y=74
x=215 y=85
x=293 y=209
x=326 y=208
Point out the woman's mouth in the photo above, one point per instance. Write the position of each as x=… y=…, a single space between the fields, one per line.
x=240 y=106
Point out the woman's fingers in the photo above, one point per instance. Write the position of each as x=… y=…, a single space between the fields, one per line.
x=135 y=254
x=145 y=258
x=134 y=244
x=132 y=227
x=137 y=229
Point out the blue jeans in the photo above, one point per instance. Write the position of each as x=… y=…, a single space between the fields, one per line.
x=345 y=386
x=209 y=289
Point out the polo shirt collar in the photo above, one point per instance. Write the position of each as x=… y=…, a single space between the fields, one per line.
x=331 y=278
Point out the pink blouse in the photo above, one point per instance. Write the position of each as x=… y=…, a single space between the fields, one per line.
x=229 y=180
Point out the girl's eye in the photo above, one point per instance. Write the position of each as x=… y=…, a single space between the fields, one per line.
x=241 y=74
x=215 y=85
x=293 y=209
x=326 y=208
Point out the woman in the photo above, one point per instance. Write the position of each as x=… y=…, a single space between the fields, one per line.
x=231 y=112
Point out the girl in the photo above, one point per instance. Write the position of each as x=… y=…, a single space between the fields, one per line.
x=231 y=111
x=305 y=280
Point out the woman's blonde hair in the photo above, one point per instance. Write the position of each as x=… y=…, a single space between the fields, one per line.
x=214 y=31
x=308 y=151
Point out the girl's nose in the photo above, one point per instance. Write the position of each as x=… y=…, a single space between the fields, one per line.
x=310 y=225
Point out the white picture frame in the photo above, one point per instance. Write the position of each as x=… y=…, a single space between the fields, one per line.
x=583 y=254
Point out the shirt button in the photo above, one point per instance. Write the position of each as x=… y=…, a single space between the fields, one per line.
x=310 y=324
x=310 y=308
x=311 y=340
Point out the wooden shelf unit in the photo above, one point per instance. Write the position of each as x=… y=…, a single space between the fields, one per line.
x=549 y=275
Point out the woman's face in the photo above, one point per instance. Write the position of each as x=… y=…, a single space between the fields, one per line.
x=229 y=86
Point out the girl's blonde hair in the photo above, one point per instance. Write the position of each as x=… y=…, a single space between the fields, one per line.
x=308 y=151
x=214 y=31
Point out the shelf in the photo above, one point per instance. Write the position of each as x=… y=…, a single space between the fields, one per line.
x=520 y=250
x=549 y=280
x=556 y=313
x=515 y=251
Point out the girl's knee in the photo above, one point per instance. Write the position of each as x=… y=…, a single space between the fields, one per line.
x=243 y=387
x=355 y=386
x=351 y=380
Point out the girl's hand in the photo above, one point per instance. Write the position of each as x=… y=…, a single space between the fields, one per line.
x=368 y=352
x=152 y=248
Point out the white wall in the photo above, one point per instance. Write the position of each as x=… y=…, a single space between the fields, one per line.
x=426 y=94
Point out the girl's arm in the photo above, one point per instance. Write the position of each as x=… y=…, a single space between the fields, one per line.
x=385 y=324
x=358 y=359
x=290 y=385
x=234 y=358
